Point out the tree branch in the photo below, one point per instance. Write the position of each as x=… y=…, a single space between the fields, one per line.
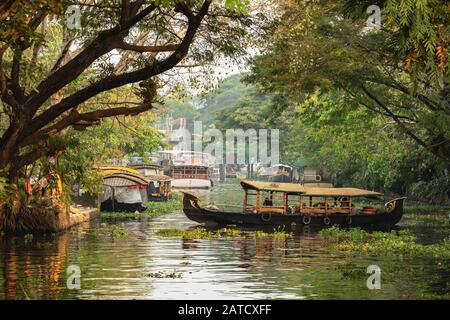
x=394 y=117
x=103 y=43
x=83 y=120
x=119 y=80
x=163 y=48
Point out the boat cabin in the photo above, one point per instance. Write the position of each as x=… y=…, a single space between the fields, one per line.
x=124 y=191
x=287 y=198
x=190 y=172
x=159 y=187
x=281 y=173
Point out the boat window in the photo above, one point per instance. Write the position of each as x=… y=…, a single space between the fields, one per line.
x=272 y=199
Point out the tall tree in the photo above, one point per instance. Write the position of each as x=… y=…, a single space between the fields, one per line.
x=103 y=45
x=400 y=71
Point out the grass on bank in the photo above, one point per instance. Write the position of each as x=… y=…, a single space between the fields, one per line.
x=154 y=209
x=403 y=242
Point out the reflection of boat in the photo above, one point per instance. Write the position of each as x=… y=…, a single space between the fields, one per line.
x=124 y=191
x=268 y=203
x=190 y=177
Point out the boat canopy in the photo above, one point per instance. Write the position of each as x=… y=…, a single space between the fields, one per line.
x=158 y=178
x=146 y=166
x=123 y=179
x=281 y=165
x=106 y=170
x=307 y=191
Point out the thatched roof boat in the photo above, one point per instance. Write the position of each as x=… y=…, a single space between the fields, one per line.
x=287 y=204
x=124 y=191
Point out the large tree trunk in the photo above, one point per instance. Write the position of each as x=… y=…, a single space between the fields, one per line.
x=21 y=214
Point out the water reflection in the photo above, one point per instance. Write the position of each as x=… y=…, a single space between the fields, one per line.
x=244 y=267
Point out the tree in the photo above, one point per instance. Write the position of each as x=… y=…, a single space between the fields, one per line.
x=119 y=43
x=400 y=72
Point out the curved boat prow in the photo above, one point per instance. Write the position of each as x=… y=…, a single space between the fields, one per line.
x=189 y=201
x=394 y=208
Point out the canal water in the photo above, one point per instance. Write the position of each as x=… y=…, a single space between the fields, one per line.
x=142 y=265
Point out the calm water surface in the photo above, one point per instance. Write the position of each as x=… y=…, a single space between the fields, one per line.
x=299 y=267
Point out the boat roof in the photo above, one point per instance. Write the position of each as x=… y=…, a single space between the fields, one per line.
x=158 y=177
x=281 y=165
x=145 y=166
x=123 y=179
x=190 y=165
x=106 y=170
x=308 y=191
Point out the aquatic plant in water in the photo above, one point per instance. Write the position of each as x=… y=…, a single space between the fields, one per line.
x=224 y=233
x=382 y=243
x=118 y=232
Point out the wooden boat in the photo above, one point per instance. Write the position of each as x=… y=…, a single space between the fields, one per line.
x=189 y=176
x=268 y=203
x=281 y=173
x=159 y=187
x=124 y=191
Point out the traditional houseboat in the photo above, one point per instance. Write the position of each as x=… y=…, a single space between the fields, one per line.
x=124 y=191
x=281 y=173
x=159 y=185
x=268 y=203
x=190 y=177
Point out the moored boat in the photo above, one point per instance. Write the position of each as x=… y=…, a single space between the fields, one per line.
x=268 y=203
x=281 y=173
x=188 y=176
x=124 y=192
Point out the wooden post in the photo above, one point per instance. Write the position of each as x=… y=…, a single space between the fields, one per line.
x=350 y=205
x=284 y=202
x=257 y=201
x=245 y=200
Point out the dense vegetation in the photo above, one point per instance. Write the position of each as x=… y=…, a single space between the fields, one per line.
x=371 y=105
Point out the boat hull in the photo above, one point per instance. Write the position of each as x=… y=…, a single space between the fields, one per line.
x=115 y=206
x=191 y=184
x=208 y=217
